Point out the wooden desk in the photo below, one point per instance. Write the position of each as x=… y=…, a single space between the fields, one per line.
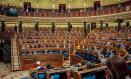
x=51 y=71
x=92 y=69
x=76 y=59
x=28 y=62
x=77 y=75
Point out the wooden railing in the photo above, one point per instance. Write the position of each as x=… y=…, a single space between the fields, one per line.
x=109 y=9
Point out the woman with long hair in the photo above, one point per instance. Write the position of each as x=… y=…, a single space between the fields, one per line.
x=118 y=68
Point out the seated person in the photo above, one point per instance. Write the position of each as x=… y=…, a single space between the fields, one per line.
x=49 y=66
x=122 y=46
x=107 y=53
x=38 y=66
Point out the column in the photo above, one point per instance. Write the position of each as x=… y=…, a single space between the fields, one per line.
x=84 y=3
x=69 y=7
x=37 y=11
x=53 y=8
x=119 y=21
x=101 y=25
x=89 y=27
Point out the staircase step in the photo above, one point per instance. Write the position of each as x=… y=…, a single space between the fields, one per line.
x=15 y=57
x=5 y=69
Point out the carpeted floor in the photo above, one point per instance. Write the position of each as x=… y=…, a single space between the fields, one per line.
x=5 y=72
x=4 y=69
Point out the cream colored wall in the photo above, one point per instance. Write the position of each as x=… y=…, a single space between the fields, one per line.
x=77 y=4
x=47 y=4
x=48 y=24
x=12 y=24
x=62 y=25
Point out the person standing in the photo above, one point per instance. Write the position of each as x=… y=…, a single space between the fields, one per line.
x=15 y=29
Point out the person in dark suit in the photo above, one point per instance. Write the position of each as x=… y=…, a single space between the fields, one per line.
x=15 y=29
x=2 y=43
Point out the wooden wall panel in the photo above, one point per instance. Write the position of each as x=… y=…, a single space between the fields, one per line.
x=29 y=62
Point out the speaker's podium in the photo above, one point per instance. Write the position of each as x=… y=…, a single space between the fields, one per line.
x=57 y=73
x=28 y=61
